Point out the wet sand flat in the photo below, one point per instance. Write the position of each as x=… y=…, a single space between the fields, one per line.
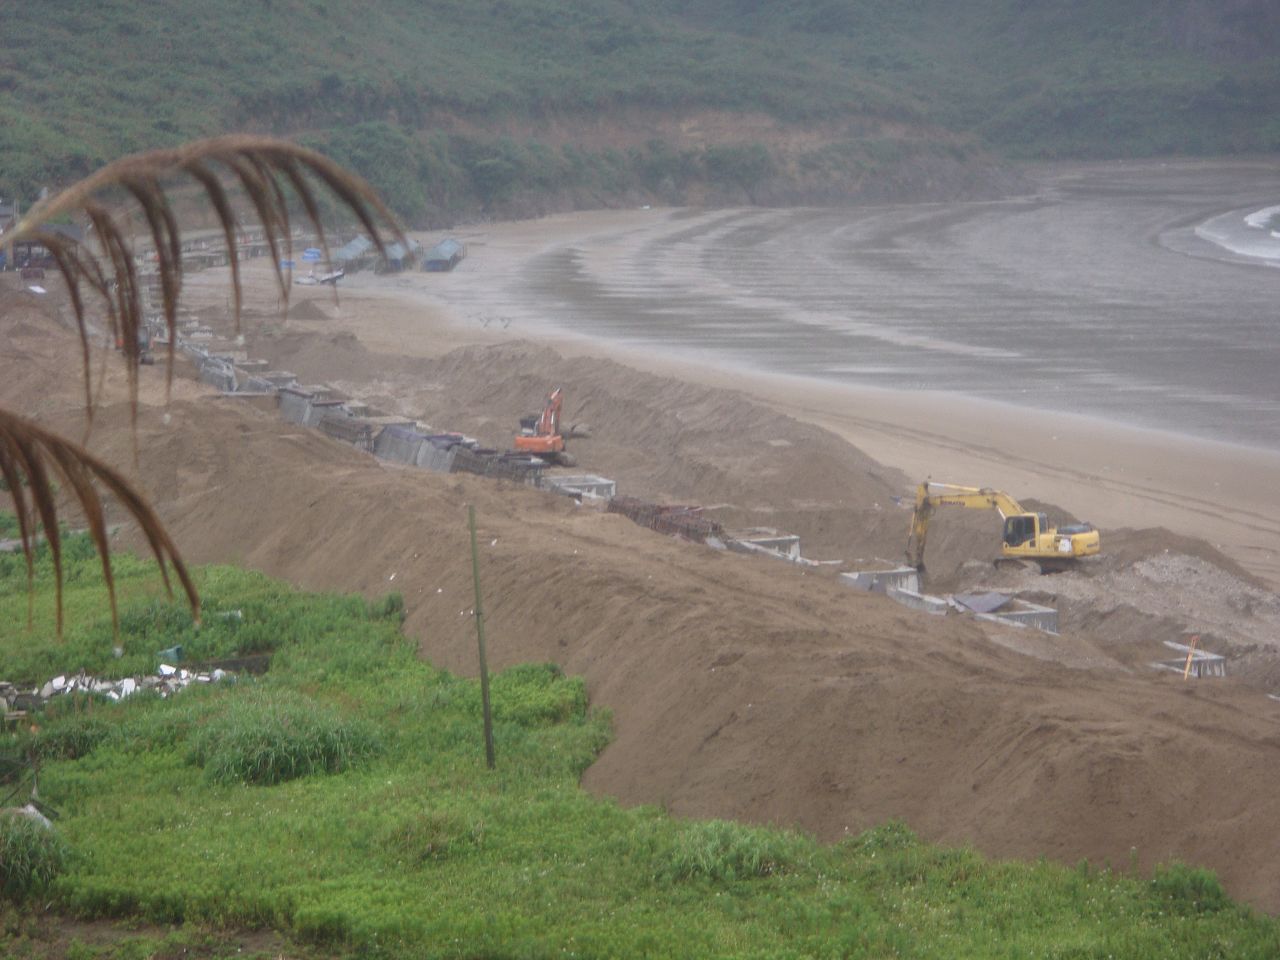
x=1093 y=295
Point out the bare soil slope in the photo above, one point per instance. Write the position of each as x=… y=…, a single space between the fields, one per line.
x=740 y=687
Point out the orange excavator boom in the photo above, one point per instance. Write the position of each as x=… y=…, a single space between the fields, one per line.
x=549 y=422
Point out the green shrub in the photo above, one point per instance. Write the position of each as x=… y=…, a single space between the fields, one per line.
x=31 y=855
x=537 y=694
x=1189 y=890
x=71 y=737
x=389 y=607
x=724 y=851
x=894 y=835
x=268 y=737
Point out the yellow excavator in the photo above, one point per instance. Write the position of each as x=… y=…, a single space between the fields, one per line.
x=1027 y=536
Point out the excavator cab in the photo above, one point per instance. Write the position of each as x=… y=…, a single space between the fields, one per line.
x=1019 y=530
x=1024 y=528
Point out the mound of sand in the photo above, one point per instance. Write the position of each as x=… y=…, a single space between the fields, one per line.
x=665 y=439
x=308 y=310
x=740 y=687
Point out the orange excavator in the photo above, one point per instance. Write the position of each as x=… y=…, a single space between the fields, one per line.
x=540 y=435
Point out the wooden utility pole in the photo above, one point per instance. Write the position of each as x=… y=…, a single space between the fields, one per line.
x=484 y=667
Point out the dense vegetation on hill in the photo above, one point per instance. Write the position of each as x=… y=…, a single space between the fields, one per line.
x=342 y=799
x=452 y=105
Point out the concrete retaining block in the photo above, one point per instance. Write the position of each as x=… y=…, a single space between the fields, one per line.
x=937 y=606
x=1030 y=615
x=436 y=457
x=318 y=410
x=783 y=545
x=879 y=581
x=582 y=486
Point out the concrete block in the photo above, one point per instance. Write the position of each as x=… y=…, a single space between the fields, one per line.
x=436 y=457
x=582 y=486
x=1029 y=615
x=280 y=378
x=879 y=581
x=398 y=443
x=317 y=410
x=294 y=406
x=786 y=545
x=937 y=606
x=1035 y=619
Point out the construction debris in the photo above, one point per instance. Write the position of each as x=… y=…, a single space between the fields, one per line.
x=399 y=439
x=165 y=682
x=30 y=812
x=902 y=584
x=679 y=521
x=1005 y=608
x=581 y=486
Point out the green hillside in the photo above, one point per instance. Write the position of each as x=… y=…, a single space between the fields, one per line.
x=453 y=106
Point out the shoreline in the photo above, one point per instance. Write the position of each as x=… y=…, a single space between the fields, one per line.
x=1113 y=474
x=1103 y=316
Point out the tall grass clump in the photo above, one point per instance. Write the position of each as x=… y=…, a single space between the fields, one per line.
x=1189 y=890
x=31 y=855
x=270 y=737
x=723 y=851
x=537 y=694
x=71 y=737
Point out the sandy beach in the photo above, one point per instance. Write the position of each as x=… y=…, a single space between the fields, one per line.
x=1102 y=468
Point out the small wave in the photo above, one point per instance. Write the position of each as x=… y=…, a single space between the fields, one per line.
x=1246 y=235
x=1260 y=219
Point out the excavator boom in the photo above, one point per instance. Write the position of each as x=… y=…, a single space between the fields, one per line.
x=549 y=422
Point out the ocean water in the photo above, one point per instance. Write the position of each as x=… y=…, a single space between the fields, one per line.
x=1138 y=293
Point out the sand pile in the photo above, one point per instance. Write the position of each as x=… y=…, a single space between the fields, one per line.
x=740 y=687
x=664 y=439
x=310 y=310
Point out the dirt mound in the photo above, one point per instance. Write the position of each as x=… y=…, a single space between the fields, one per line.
x=323 y=357
x=308 y=310
x=741 y=687
x=663 y=439
x=1126 y=547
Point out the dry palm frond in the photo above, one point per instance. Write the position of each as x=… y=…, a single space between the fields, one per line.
x=268 y=171
x=30 y=460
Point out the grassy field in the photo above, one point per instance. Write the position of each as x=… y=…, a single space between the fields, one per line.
x=342 y=799
x=442 y=103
